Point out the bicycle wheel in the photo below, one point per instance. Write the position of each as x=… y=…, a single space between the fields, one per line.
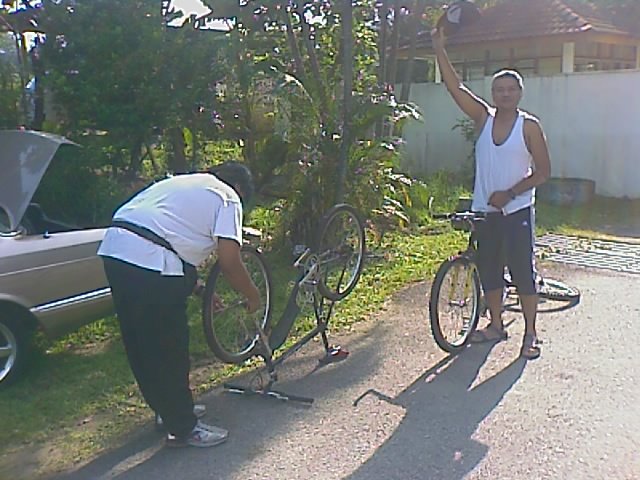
x=556 y=290
x=454 y=305
x=231 y=332
x=340 y=252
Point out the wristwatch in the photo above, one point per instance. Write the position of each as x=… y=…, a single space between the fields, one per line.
x=511 y=193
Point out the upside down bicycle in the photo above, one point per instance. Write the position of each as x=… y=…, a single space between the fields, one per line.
x=327 y=273
x=456 y=302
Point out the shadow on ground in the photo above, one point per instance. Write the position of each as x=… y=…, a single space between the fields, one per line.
x=434 y=440
x=252 y=420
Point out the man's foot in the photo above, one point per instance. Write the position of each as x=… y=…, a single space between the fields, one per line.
x=531 y=347
x=488 y=334
x=199 y=411
x=202 y=436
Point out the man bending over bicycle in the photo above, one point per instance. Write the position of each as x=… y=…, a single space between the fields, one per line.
x=512 y=159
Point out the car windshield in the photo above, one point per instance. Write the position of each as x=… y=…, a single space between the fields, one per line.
x=4 y=221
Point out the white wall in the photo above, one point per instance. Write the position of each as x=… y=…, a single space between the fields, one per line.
x=592 y=123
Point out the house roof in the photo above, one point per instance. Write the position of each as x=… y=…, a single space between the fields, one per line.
x=519 y=19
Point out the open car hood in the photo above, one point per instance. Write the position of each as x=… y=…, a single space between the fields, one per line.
x=24 y=157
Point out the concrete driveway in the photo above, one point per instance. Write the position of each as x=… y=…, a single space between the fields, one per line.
x=485 y=414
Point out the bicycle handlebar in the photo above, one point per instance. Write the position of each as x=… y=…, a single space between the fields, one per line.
x=460 y=216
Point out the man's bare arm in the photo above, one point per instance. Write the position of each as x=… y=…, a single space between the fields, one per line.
x=537 y=145
x=236 y=273
x=469 y=102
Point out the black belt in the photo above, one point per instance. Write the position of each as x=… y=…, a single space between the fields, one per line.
x=147 y=234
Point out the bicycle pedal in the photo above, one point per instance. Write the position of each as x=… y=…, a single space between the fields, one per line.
x=334 y=354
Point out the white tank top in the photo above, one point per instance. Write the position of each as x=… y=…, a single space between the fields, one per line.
x=500 y=167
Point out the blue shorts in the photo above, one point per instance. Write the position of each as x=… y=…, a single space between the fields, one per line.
x=506 y=240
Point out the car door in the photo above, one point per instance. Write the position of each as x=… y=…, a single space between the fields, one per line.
x=58 y=277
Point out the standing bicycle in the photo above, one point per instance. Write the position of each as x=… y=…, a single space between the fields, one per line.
x=328 y=272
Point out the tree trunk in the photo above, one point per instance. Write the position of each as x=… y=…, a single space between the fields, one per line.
x=152 y=158
x=177 y=162
x=38 y=100
x=418 y=9
x=395 y=38
x=382 y=57
x=347 y=74
x=194 y=149
x=293 y=45
x=313 y=57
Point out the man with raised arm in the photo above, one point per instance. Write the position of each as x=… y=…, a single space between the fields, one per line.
x=512 y=159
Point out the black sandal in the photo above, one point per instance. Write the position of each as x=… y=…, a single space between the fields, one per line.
x=489 y=334
x=531 y=347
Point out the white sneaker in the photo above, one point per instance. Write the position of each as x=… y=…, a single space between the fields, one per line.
x=199 y=411
x=202 y=436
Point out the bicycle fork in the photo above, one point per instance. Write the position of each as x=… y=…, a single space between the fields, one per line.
x=466 y=293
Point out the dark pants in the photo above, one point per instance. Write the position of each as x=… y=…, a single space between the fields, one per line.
x=152 y=311
x=506 y=240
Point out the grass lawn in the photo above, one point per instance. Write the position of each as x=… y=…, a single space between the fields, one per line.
x=79 y=397
x=603 y=217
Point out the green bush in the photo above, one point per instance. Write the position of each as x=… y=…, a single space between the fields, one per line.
x=76 y=191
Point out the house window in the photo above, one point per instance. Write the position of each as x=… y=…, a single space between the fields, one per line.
x=475 y=72
x=526 y=51
x=548 y=50
x=526 y=67
x=500 y=53
x=605 y=50
x=549 y=66
x=585 y=67
x=624 y=52
x=586 y=49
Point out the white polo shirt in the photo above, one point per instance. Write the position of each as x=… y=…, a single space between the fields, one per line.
x=190 y=211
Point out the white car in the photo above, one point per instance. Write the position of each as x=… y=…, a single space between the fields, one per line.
x=50 y=276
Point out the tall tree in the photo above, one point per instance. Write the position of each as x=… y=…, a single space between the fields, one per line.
x=130 y=77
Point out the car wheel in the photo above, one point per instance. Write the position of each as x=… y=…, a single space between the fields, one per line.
x=14 y=345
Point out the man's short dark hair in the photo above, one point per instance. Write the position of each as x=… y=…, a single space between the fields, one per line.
x=509 y=74
x=236 y=174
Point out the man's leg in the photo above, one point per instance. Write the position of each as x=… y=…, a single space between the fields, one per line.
x=490 y=263
x=166 y=355
x=152 y=314
x=494 y=303
x=520 y=258
x=530 y=311
x=127 y=282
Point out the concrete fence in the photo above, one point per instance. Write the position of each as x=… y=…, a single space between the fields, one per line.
x=592 y=123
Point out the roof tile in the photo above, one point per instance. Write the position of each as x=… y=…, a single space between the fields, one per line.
x=516 y=19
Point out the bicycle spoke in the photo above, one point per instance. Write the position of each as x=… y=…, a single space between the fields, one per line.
x=231 y=331
x=340 y=253
x=456 y=307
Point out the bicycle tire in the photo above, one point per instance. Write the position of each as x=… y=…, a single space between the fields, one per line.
x=552 y=289
x=229 y=343
x=334 y=250
x=436 y=315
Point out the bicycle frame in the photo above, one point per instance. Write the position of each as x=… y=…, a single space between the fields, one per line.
x=308 y=277
x=317 y=283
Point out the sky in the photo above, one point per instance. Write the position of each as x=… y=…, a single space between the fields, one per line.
x=180 y=12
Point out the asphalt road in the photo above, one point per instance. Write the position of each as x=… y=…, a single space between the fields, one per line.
x=485 y=414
